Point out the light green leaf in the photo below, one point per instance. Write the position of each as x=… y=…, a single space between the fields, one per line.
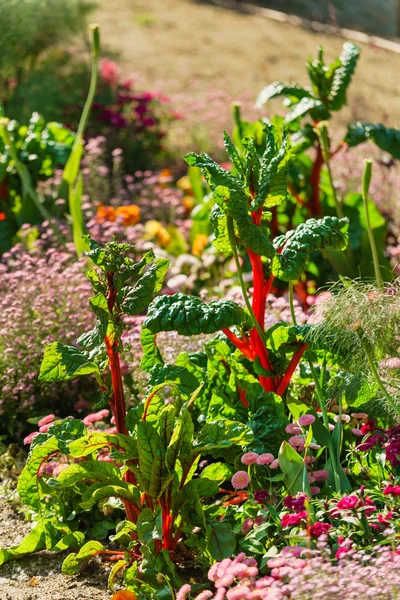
x=74 y=563
x=61 y=363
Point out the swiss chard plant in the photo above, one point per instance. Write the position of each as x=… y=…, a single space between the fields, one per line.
x=244 y=200
x=141 y=472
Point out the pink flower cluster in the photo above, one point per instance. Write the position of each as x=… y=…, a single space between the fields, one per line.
x=302 y=574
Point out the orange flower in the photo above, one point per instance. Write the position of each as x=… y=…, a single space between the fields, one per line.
x=199 y=243
x=105 y=213
x=130 y=214
x=2 y=216
x=184 y=184
x=124 y=595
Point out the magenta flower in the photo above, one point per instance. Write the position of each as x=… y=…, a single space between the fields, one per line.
x=319 y=529
x=265 y=459
x=240 y=480
x=348 y=503
x=295 y=503
x=393 y=490
x=306 y=420
x=249 y=458
x=295 y=519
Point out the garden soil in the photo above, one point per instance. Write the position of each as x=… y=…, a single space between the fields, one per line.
x=39 y=577
x=191 y=47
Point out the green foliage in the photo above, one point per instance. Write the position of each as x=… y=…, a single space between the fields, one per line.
x=386 y=138
x=38 y=148
x=309 y=236
x=188 y=315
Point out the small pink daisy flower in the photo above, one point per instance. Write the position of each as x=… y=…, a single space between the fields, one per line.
x=306 y=420
x=240 y=480
x=249 y=458
x=265 y=459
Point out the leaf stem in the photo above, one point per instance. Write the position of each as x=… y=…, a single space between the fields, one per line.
x=232 y=241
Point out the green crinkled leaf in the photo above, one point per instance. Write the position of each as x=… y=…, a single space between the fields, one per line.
x=278 y=88
x=88 y=471
x=268 y=423
x=35 y=540
x=343 y=74
x=74 y=563
x=93 y=442
x=29 y=482
x=386 y=138
x=222 y=434
x=124 y=491
x=151 y=353
x=151 y=459
x=304 y=107
x=218 y=472
x=185 y=382
x=74 y=539
x=204 y=487
x=233 y=154
x=135 y=299
x=215 y=174
x=65 y=431
x=249 y=233
x=146 y=526
x=272 y=185
x=62 y=363
x=181 y=439
x=220 y=540
x=299 y=243
x=220 y=230
x=189 y=315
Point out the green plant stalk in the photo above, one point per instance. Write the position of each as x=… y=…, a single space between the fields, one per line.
x=377 y=379
x=365 y=189
x=320 y=398
x=232 y=241
x=26 y=179
x=71 y=179
x=322 y=131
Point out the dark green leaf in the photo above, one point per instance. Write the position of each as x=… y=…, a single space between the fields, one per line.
x=220 y=540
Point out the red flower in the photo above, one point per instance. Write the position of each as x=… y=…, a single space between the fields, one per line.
x=293 y=519
x=392 y=489
x=319 y=528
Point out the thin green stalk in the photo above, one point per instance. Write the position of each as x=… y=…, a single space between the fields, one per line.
x=25 y=177
x=375 y=375
x=321 y=402
x=323 y=135
x=365 y=189
x=318 y=390
x=232 y=241
x=72 y=184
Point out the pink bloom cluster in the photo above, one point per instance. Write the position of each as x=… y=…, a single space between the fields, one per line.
x=301 y=574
